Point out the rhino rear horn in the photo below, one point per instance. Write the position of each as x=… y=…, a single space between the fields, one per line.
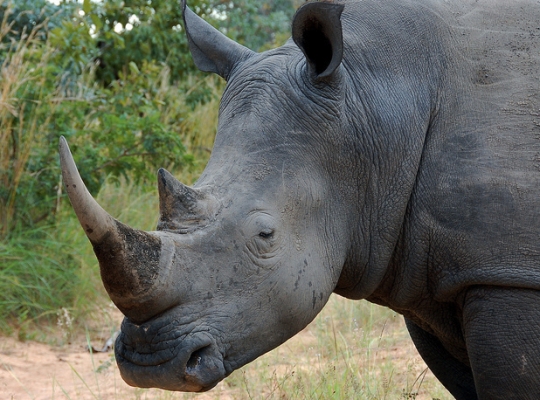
x=179 y=205
x=211 y=50
x=316 y=30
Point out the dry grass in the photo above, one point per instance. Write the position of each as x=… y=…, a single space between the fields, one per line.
x=352 y=350
x=18 y=72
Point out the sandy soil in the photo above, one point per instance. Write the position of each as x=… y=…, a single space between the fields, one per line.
x=38 y=371
x=31 y=370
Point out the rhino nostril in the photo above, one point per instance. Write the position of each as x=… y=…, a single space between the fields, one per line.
x=205 y=368
x=195 y=359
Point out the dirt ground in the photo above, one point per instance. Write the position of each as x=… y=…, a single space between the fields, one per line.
x=37 y=371
x=31 y=370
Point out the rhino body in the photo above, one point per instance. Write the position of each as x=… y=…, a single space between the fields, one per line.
x=389 y=151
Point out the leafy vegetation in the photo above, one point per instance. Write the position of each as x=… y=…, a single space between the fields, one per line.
x=121 y=129
x=116 y=79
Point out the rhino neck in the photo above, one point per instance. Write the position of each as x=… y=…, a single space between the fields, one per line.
x=396 y=118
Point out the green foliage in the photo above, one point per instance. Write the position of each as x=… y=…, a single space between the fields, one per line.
x=79 y=39
x=22 y=16
x=257 y=24
x=123 y=98
x=152 y=30
x=123 y=129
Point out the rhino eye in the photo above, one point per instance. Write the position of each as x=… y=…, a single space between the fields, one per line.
x=267 y=233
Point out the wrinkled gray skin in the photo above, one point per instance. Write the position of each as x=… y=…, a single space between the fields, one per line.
x=391 y=152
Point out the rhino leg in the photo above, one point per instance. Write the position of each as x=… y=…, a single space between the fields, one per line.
x=502 y=332
x=454 y=375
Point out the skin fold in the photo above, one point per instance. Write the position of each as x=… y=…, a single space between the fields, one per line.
x=389 y=152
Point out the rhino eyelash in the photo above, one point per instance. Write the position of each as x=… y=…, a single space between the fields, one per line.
x=266 y=234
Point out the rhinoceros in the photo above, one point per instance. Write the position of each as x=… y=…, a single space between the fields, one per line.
x=389 y=151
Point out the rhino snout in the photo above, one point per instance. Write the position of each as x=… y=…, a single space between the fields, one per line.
x=139 y=282
x=188 y=362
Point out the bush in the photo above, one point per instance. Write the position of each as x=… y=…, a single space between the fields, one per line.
x=122 y=98
x=123 y=129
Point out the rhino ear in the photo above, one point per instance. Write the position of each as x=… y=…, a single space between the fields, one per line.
x=316 y=29
x=211 y=50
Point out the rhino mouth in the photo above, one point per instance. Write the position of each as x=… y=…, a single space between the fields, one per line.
x=186 y=362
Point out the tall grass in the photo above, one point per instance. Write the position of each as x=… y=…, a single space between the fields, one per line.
x=33 y=279
x=37 y=277
x=21 y=72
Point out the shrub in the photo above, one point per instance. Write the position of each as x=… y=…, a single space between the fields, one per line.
x=124 y=99
x=123 y=129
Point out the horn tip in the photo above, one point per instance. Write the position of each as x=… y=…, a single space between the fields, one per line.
x=166 y=182
x=67 y=164
x=163 y=175
x=63 y=144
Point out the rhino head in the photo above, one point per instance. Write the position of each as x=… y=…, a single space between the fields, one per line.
x=247 y=257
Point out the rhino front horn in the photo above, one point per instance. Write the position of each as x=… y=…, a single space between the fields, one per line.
x=133 y=263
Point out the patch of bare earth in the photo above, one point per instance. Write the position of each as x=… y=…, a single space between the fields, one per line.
x=31 y=370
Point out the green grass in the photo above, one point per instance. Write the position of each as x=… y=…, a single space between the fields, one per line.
x=36 y=280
